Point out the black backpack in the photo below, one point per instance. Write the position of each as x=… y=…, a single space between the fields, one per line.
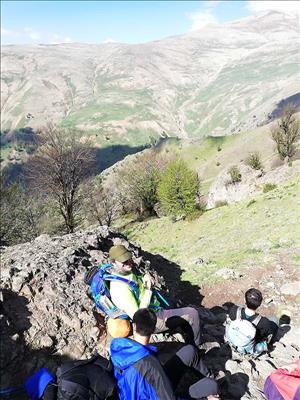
x=90 y=379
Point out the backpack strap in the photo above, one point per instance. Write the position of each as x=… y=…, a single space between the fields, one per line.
x=133 y=285
x=239 y=313
x=256 y=320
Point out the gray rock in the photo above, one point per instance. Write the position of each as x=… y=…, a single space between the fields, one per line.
x=16 y=284
x=261 y=245
x=291 y=288
x=285 y=242
x=46 y=341
x=227 y=273
x=199 y=261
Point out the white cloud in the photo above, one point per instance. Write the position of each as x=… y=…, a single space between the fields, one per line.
x=34 y=35
x=109 y=40
x=204 y=16
x=55 y=38
x=289 y=7
x=212 y=3
x=30 y=35
x=7 y=32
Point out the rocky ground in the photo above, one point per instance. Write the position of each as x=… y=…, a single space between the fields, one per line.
x=251 y=185
x=47 y=316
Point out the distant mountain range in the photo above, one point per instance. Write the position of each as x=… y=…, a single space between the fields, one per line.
x=216 y=81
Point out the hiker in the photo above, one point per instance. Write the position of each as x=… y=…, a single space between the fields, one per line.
x=126 y=298
x=90 y=379
x=141 y=376
x=284 y=383
x=249 y=332
x=119 y=292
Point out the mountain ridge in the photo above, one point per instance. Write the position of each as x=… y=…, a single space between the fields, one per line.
x=218 y=80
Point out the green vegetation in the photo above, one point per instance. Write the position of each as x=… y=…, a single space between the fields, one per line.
x=254 y=161
x=137 y=183
x=215 y=235
x=221 y=203
x=235 y=174
x=268 y=187
x=203 y=155
x=286 y=133
x=178 y=189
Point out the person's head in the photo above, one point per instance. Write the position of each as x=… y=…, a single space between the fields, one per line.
x=121 y=258
x=253 y=298
x=144 y=322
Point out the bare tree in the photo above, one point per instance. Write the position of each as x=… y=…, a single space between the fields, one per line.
x=62 y=162
x=101 y=203
x=21 y=213
x=286 y=133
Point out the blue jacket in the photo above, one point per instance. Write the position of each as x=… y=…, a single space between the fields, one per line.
x=139 y=373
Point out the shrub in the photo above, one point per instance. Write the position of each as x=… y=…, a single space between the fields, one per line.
x=235 y=174
x=221 y=203
x=219 y=148
x=268 y=187
x=218 y=163
x=286 y=133
x=251 y=202
x=254 y=161
x=178 y=189
x=194 y=215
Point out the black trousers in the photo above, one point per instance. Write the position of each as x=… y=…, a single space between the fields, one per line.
x=185 y=358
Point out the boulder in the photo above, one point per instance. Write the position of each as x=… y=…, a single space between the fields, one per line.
x=291 y=288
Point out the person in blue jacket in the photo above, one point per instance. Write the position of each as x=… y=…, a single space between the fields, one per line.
x=140 y=375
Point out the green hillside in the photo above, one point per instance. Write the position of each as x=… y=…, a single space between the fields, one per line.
x=214 y=154
x=247 y=233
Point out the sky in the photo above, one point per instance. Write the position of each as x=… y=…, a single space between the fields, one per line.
x=32 y=22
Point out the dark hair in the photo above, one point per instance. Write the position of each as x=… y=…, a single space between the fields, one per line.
x=253 y=298
x=145 y=321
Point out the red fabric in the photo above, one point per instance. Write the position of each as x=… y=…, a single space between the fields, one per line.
x=287 y=382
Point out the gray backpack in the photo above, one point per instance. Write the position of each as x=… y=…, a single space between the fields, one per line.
x=240 y=333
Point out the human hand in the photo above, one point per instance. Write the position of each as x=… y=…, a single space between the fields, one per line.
x=213 y=397
x=148 y=281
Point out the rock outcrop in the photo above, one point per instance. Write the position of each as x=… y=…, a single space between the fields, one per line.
x=47 y=316
x=251 y=184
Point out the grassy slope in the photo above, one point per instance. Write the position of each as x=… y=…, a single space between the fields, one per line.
x=204 y=156
x=225 y=237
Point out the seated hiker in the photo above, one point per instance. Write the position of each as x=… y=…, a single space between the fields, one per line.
x=90 y=379
x=141 y=376
x=129 y=298
x=250 y=332
x=284 y=383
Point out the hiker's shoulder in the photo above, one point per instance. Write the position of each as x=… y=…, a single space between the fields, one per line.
x=149 y=366
x=264 y=322
x=233 y=311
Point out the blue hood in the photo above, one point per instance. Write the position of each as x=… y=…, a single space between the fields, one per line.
x=125 y=352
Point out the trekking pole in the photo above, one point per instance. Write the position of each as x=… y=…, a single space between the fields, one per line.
x=161 y=297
